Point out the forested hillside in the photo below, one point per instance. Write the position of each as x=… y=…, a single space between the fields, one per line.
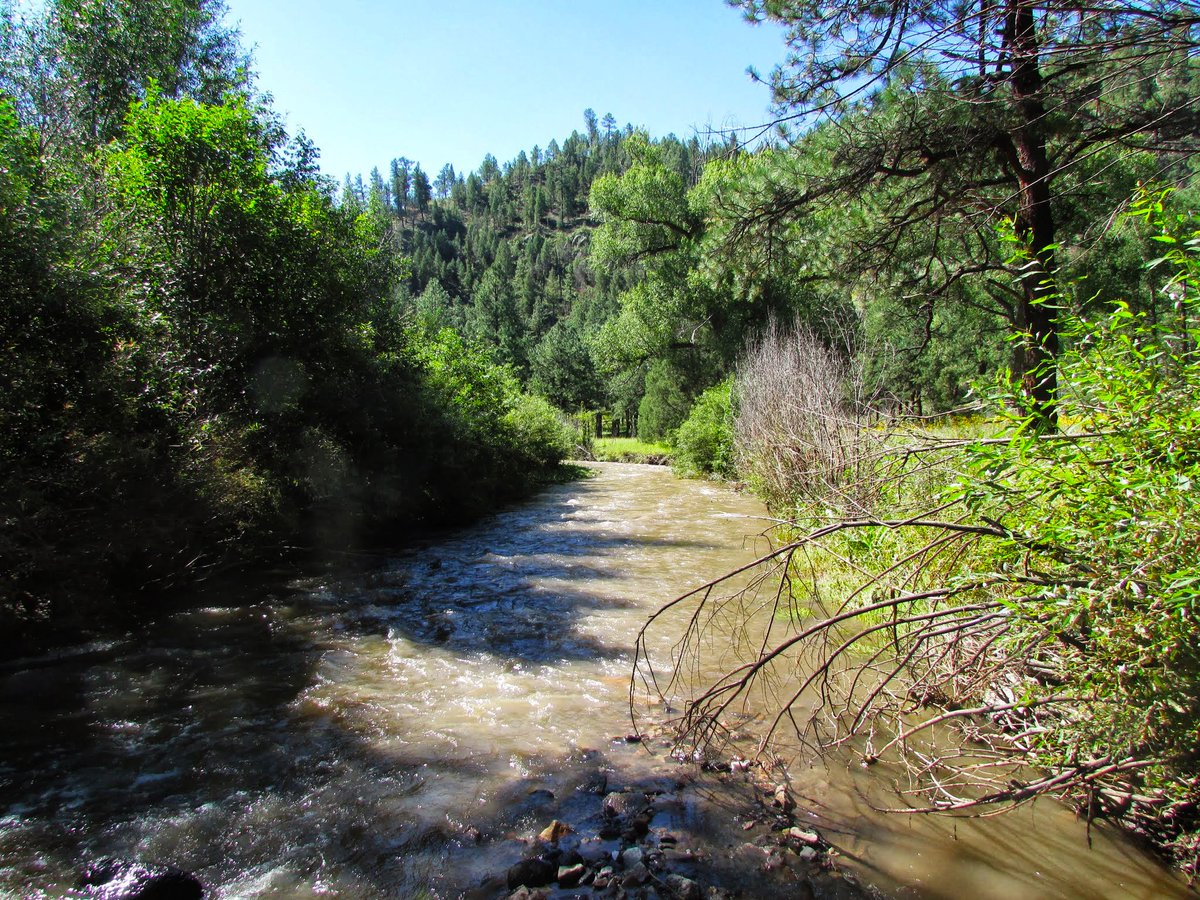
x=502 y=255
x=626 y=273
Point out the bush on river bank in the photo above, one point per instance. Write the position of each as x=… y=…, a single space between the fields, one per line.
x=203 y=363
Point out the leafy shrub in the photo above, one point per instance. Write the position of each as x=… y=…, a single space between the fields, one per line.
x=1101 y=526
x=210 y=363
x=540 y=433
x=704 y=442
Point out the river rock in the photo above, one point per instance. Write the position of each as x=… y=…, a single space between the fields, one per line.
x=639 y=826
x=113 y=879
x=636 y=877
x=609 y=830
x=535 y=872
x=784 y=799
x=619 y=803
x=803 y=836
x=555 y=831
x=569 y=876
x=632 y=857
x=595 y=783
x=774 y=860
x=684 y=888
x=591 y=854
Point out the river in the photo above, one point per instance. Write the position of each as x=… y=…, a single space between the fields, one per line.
x=403 y=729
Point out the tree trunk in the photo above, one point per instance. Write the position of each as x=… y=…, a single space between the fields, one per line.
x=1037 y=316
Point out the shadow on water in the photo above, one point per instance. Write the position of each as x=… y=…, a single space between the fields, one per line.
x=216 y=737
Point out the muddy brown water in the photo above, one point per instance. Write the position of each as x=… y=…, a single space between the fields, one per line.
x=405 y=731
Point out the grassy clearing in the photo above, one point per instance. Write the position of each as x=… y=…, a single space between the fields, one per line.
x=629 y=450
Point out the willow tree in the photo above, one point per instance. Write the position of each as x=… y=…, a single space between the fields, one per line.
x=980 y=110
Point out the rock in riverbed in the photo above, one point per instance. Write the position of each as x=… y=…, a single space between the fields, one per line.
x=639 y=842
x=535 y=872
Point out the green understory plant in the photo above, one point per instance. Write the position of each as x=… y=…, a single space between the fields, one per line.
x=704 y=442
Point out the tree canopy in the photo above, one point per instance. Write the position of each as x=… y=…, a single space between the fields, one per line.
x=981 y=110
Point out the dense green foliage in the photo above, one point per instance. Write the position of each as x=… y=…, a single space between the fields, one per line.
x=1103 y=519
x=501 y=254
x=704 y=443
x=1001 y=611
x=204 y=353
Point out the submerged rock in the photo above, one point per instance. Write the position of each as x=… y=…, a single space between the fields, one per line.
x=524 y=893
x=684 y=888
x=636 y=876
x=595 y=783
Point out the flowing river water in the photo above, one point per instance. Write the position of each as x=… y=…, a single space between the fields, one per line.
x=405 y=730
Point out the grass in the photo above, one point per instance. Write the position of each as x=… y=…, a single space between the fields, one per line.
x=630 y=450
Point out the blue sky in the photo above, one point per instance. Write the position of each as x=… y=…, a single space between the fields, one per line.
x=447 y=82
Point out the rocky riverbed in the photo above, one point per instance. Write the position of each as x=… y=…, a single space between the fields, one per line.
x=685 y=831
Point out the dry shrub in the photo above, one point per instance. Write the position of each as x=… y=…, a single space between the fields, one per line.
x=806 y=433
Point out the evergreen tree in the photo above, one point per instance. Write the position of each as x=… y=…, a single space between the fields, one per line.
x=444 y=183
x=421 y=191
x=982 y=105
x=401 y=185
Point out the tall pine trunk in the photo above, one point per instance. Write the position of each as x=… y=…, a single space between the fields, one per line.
x=1037 y=317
